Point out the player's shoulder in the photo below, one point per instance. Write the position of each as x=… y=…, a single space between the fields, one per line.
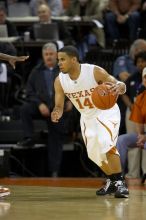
x=92 y=68
x=57 y=80
x=99 y=69
x=86 y=67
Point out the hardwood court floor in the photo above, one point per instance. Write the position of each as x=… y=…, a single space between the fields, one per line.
x=70 y=202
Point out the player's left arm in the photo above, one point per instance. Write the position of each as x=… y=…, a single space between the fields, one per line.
x=102 y=76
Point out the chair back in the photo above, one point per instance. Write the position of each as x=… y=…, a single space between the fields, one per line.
x=19 y=9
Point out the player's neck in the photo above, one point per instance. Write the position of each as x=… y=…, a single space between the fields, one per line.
x=75 y=72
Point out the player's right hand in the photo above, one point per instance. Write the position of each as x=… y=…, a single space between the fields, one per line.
x=55 y=116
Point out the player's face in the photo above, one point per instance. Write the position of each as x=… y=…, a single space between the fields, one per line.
x=65 y=62
x=49 y=57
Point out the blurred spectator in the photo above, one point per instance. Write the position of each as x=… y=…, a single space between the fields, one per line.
x=56 y=6
x=5 y=87
x=85 y=9
x=12 y=60
x=12 y=31
x=8 y=48
x=5 y=80
x=39 y=104
x=123 y=14
x=44 y=14
x=142 y=32
x=137 y=139
x=65 y=5
x=133 y=85
x=123 y=67
x=88 y=10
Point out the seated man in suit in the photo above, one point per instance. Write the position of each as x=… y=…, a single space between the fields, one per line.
x=39 y=104
x=44 y=14
x=56 y=6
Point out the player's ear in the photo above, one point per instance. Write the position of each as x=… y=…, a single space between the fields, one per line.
x=74 y=59
x=100 y=82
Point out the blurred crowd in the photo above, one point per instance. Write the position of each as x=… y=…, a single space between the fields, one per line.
x=90 y=25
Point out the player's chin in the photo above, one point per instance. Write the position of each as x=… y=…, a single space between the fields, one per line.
x=63 y=70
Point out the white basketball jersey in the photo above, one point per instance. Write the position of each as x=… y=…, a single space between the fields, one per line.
x=99 y=127
x=79 y=91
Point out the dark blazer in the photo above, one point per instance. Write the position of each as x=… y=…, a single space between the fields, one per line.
x=36 y=90
x=64 y=33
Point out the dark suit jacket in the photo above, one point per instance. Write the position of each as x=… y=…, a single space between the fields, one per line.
x=36 y=90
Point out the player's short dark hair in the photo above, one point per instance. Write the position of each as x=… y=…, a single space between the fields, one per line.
x=70 y=51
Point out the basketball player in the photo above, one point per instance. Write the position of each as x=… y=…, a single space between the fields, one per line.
x=99 y=127
x=12 y=60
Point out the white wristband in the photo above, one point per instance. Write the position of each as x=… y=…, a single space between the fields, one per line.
x=119 y=82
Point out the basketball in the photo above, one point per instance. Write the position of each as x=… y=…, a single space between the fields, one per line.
x=102 y=98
